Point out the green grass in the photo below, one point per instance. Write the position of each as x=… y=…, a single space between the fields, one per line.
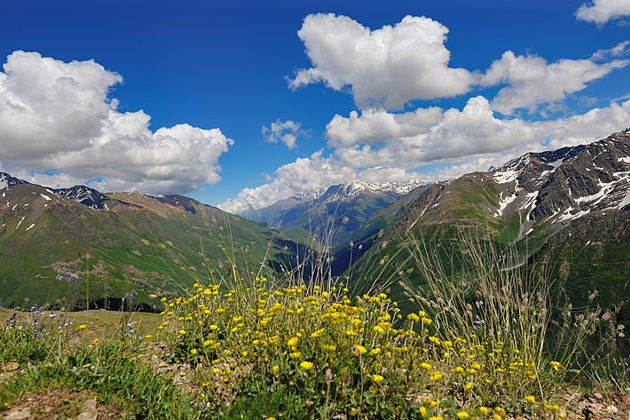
x=112 y=371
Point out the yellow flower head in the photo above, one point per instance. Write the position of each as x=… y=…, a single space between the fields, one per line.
x=436 y=376
x=463 y=415
x=306 y=365
x=377 y=378
x=530 y=399
x=375 y=351
x=378 y=329
x=359 y=350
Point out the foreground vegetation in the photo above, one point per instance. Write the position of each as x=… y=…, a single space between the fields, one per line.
x=489 y=344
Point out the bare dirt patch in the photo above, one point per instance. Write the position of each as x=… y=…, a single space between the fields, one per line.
x=599 y=406
x=61 y=403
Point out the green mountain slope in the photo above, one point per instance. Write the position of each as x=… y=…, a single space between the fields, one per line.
x=56 y=250
x=570 y=207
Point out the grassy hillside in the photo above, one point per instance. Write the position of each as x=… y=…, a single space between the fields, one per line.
x=56 y=251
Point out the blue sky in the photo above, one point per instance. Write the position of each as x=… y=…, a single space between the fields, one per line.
x=225 y=64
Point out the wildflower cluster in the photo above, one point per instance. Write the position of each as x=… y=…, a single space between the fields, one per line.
x=334 y=355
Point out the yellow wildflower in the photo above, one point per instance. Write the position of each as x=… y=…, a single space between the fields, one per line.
x=377 y=378
x=359 y=350
x=436 y=376
x=530 y=399
x=306 y=365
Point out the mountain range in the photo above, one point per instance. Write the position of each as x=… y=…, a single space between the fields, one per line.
x=333 y=214
x=76 y=246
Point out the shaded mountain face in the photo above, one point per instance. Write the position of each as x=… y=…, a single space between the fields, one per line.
x=84 y=195
x=7 y=180
x=333 y=214
x=570 y=206
x=71 y=246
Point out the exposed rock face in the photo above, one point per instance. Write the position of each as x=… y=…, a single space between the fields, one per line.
x=84 y=195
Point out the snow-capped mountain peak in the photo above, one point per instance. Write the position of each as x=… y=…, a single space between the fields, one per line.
x=84 y=195
x=568 y=183
x=7 y=181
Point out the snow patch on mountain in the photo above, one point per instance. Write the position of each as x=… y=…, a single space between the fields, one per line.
x=504 y=203
x=505 y=176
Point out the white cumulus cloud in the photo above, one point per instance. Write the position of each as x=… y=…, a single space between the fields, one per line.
x=386 y=67
x=286 y=132
x=57 y=120
x=602 y=11
x=533 y=81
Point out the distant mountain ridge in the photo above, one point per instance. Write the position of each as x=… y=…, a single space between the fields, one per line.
x=333 y=213
x=67 y=244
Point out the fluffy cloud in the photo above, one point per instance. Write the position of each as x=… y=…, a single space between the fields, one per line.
x=376 y=125
x=602 y=11
x=286 y=132
x=58 y=116
x=304 y=174
x=532 y=81
x=458 y=142
x=454 y=134
x=388 y=66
